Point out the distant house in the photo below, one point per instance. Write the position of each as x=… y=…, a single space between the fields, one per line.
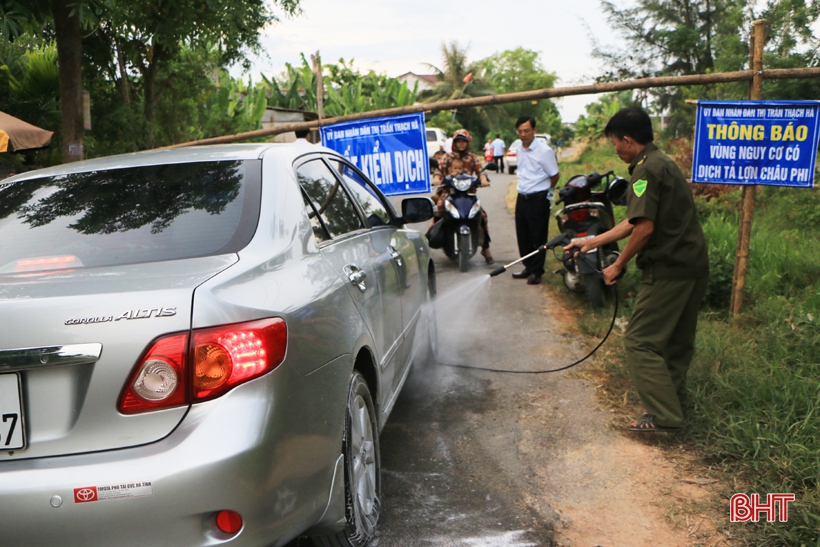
x=425 y=81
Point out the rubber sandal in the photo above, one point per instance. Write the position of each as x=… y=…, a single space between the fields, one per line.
x=648 y=425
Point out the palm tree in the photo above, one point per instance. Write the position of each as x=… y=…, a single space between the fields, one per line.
x=451 y=84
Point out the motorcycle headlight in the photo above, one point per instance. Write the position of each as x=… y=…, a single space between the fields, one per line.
x=474 y=210
x=448 y=205
x=462 y=184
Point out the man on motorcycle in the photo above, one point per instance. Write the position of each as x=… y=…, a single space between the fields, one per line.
x=472 y=166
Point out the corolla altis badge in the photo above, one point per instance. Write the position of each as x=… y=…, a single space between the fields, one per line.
x=129 y=315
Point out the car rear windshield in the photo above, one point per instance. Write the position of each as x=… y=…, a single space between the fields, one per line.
x=126 y=216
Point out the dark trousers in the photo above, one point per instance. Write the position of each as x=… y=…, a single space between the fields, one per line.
x=660 y=343
x=532 y=218
x=499 y=161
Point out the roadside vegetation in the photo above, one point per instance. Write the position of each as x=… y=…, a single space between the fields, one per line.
x=755 y=380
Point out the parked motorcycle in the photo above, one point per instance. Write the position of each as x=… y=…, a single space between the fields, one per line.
x=462 y=214
x=585 y=215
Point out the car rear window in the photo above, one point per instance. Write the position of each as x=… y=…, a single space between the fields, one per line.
x=431 y=136
x=126 y=216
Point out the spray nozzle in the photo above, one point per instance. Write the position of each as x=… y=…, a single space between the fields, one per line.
x=498 y=271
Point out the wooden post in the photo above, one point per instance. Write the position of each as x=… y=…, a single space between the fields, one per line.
x=320 y=85
x=744 y=235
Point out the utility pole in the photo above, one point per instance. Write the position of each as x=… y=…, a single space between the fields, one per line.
x=756 y=42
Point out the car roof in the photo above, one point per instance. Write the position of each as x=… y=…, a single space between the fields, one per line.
x=192 y=154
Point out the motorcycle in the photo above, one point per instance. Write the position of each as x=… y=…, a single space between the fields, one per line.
x=585 y=215
x=462 y=214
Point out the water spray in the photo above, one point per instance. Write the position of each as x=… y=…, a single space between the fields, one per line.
x=558 y=241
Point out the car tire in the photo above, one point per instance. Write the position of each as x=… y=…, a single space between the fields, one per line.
x=429 y=354
x=511 y=170
x=362 y=470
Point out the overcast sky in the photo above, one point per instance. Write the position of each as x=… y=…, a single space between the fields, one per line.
x=395 y=37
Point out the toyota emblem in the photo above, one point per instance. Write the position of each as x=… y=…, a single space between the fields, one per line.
x=85 y=494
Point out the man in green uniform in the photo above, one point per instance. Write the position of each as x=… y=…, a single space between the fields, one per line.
x=671 y=250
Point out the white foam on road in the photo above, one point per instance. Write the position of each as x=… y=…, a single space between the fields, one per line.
x=490 y=539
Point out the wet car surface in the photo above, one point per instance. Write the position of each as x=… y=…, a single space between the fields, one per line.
x=202 y=346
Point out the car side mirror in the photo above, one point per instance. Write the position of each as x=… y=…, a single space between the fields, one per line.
x=416 y=210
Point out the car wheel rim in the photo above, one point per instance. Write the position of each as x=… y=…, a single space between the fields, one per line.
x=364 y=456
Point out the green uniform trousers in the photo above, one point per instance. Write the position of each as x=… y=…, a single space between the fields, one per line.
x=660 y=343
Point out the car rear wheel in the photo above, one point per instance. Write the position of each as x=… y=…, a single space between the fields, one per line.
x=428 y=337
x=362 y=470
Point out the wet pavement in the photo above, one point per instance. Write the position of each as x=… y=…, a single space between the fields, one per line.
x=461 y=464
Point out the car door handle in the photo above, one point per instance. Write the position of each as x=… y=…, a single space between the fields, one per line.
x=356 y=276
x=396 y=255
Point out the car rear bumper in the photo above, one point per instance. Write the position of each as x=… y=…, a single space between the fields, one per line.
x=220 y=457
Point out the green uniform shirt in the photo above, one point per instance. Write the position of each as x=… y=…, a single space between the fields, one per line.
x=659 y=192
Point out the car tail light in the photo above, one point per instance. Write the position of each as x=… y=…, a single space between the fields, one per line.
x=180 y=369
x=47 y=263
x=229 y=522
x=510 y=153
x=578 y=216
x=158 y=380
x=226 y=356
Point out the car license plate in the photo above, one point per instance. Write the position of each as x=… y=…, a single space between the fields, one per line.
x=12 y=435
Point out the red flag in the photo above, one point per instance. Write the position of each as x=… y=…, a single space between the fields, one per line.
x=466 y=79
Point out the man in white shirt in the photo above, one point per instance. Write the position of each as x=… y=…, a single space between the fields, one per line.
x=498 y=152
x=302 y=136
x=448 y=146
x=537 y=175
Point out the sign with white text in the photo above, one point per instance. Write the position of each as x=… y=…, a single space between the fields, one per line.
x=773 y=143
x=391 y=152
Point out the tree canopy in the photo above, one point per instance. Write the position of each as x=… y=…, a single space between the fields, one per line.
x=671 y=37
x=509 y=71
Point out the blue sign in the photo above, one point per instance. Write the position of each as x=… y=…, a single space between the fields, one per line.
x=773 y=143
x=391 y=152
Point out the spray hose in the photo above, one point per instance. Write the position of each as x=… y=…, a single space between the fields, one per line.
x=557 y=241
x=578 y=362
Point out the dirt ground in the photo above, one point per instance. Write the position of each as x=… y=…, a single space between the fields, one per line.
x=622 y=489
x=478 y=458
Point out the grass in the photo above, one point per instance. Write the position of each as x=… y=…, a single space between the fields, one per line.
x=755 y=380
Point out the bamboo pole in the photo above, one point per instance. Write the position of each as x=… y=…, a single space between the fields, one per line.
x=747 y=211
x=641 y=83
x=740 y=214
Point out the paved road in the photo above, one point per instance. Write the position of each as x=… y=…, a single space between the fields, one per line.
x=453 y=471
x=466 y=454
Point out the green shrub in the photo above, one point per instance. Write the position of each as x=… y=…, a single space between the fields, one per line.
x=721 y=237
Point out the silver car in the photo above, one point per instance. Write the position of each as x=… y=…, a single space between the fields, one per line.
x=201 y=347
